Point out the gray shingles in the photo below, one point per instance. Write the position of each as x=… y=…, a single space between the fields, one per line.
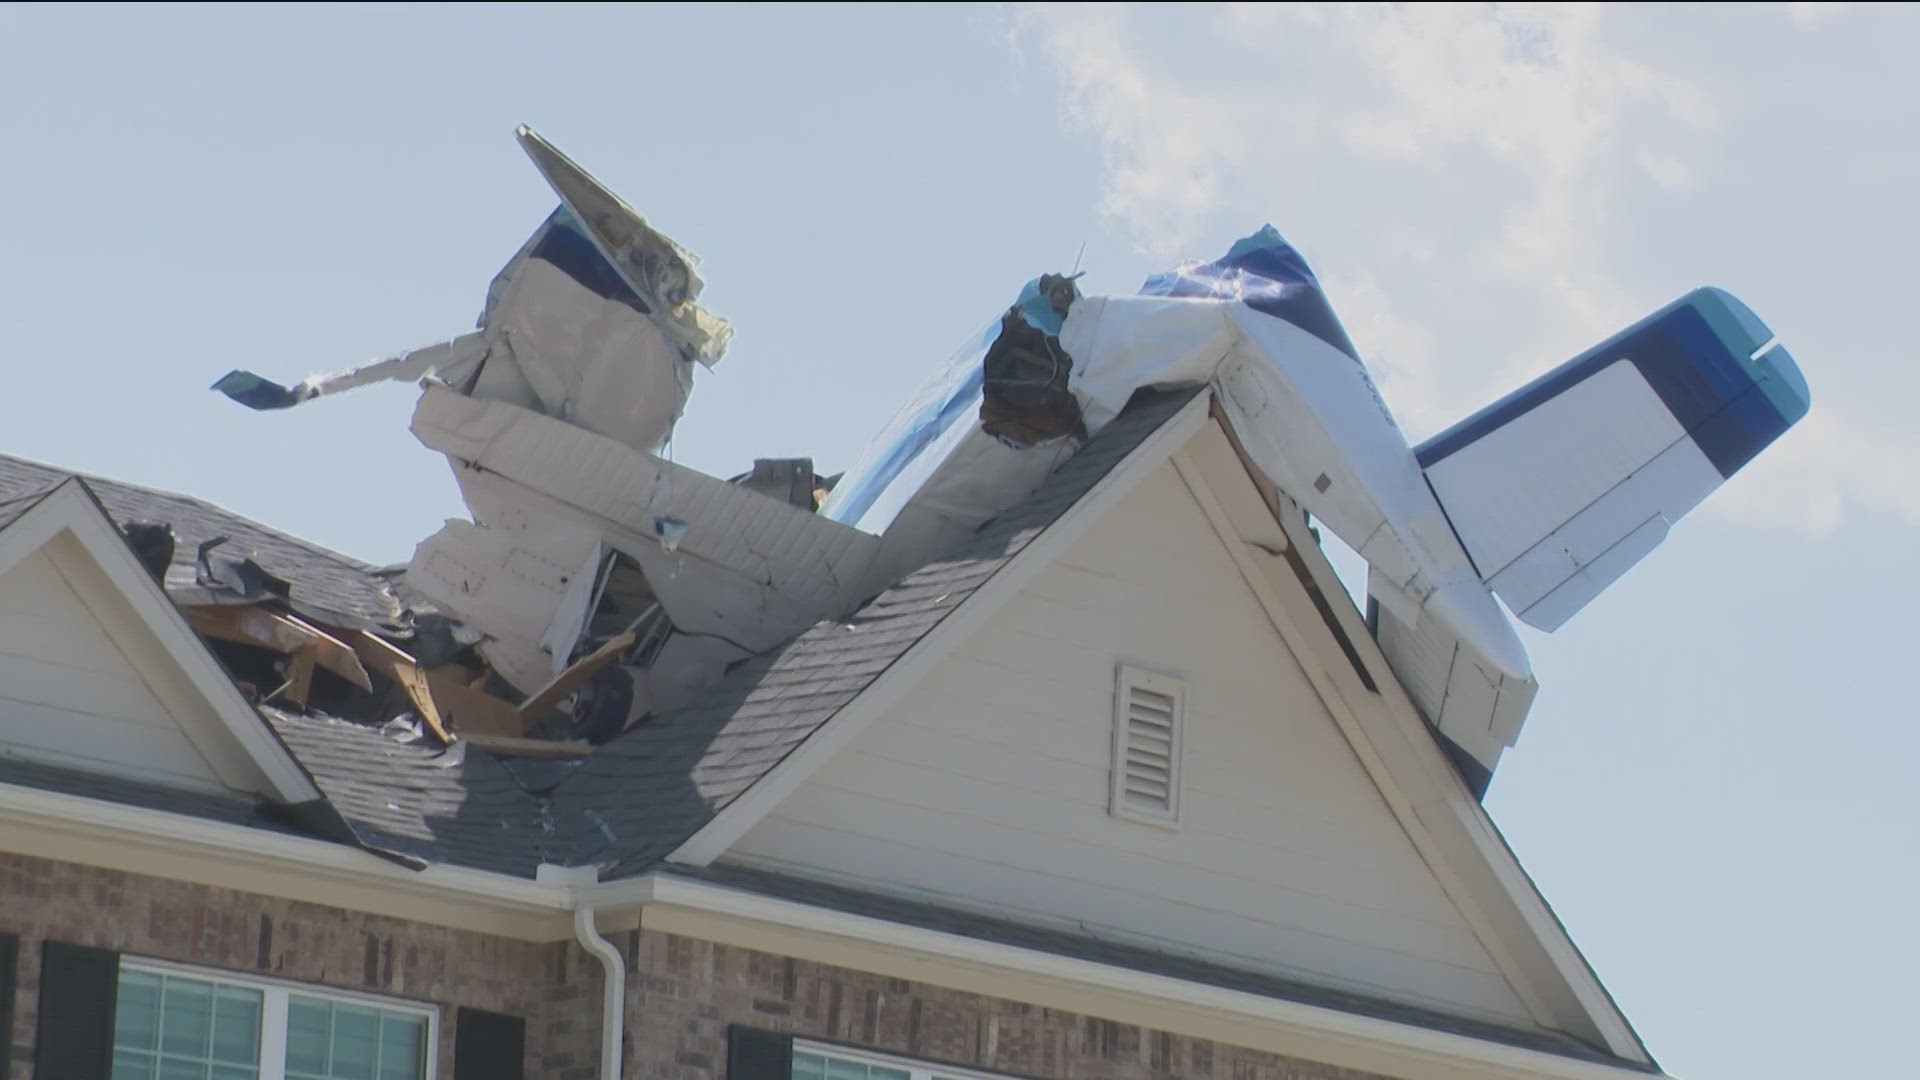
x=135 y=793
x=458 y=806
x=640 y=796
x=14 y=505
x=327 y=585
x=1082 y=946
x=657 y=785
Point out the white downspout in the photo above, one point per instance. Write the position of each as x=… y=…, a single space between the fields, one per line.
x=613 y=997
x=613 y=1001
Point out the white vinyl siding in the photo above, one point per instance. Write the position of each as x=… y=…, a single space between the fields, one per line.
x=989 y=786
x=1149 y=712
x=69 y=696
x=177 y=1023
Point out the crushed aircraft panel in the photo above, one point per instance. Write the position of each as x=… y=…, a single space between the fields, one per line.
x=805 y=556
x=600 y=583
x=1542 y=500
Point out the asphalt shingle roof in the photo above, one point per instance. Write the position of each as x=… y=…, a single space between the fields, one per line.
x=642 y=795
x=326 y=584
x=456 y=805
x=635 y=799
x=135 y=793
x=14 y=506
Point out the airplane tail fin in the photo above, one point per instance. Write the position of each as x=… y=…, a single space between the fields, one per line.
x=1558 y=488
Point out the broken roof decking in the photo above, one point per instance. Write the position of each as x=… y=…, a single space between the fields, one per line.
x=324 y=582
x=642 y=795
x=639 y=798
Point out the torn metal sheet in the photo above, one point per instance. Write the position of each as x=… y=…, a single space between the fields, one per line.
x=1477 y=710
x=505 y=583
x=592 y=321
x=812 y=559
x=241 y=576
x=719 y=561
x=660 y=271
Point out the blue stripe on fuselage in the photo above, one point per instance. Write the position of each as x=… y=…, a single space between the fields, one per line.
x=568 y=250
x=1268 y=275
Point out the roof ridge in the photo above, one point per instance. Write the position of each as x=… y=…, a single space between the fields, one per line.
x=293 y=538
x=647 y=791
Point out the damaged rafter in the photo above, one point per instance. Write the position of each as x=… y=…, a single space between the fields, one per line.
x=575 y=677
x=403 y=670
x=252 y=624
x=468 y=709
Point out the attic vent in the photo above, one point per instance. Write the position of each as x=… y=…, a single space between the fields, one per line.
x=1149 y=718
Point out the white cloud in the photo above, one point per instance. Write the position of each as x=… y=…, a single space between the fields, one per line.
x=1822 y=473
x=1457 y=173
x=1815 y=13
x=1526 y=101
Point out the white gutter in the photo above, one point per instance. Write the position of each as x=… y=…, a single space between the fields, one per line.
x=613 y=986
x=670 y=901
x=51 y=814
x=52 y=825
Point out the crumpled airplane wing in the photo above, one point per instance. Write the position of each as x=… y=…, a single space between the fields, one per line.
x=593 y=314
x=660 y=272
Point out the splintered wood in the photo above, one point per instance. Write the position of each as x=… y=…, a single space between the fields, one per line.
x=250 y=624
x=575 y=677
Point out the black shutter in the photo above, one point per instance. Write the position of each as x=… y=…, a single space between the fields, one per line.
x=9 y=970
x=753 y=1054
x=488 y=1046
x=79 y=986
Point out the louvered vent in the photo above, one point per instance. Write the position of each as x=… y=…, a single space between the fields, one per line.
x=1149 y=713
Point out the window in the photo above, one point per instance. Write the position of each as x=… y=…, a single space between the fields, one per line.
x=181 y=1024
x=1149 y=715
x=811 y=1062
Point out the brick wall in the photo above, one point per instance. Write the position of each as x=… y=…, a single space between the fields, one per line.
x=286 y=939
x=683 y=993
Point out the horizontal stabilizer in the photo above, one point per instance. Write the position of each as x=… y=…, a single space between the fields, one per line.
x=257 y=393
x=1560 y=487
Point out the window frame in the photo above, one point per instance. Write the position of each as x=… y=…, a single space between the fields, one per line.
x=273 y=1007
x=1126 y=677
x=916 y=1070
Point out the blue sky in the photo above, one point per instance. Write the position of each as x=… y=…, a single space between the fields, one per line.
x=1715 y=788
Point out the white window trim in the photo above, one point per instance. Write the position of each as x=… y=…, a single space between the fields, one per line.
x=273 y=1007
x=918 y=1070
x=1126 y=677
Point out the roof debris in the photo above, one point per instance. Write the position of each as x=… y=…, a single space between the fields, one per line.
x=596 y=584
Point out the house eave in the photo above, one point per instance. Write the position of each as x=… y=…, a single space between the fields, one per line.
x=670 y=903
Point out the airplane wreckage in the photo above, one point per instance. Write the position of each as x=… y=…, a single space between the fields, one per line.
x=599 y=583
